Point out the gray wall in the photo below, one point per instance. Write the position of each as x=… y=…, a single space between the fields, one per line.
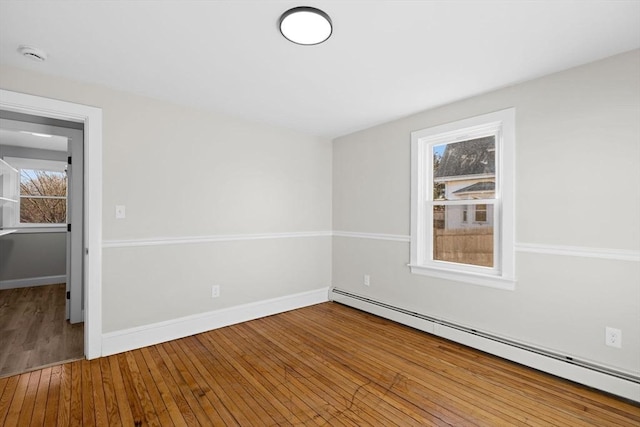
x=32 y=255
x=577 y=186
x=197 y=176
x=185 y=173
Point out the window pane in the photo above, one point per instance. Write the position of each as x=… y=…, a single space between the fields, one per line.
x=464 y=169
x=460 y=241
x=43 y=210
x=481 y=213
x=42 y=183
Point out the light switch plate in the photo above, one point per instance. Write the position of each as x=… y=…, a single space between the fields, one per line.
x=120 y=212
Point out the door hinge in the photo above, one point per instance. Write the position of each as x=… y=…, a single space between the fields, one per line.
x=69 y=160
x=68 y=227
x=68 y=294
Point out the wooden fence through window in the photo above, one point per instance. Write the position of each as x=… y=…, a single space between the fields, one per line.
x=464 y=245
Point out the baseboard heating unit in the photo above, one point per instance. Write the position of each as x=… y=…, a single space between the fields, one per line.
x=609 y=380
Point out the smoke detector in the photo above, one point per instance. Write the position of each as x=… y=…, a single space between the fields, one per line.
x=33 y=53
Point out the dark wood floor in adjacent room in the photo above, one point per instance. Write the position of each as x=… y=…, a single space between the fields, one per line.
x=33 y=329
x=322 y=365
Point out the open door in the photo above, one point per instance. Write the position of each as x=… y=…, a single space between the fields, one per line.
x=75 y=227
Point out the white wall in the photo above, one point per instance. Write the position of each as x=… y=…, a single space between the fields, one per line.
x=185 y=173
x=578 y=185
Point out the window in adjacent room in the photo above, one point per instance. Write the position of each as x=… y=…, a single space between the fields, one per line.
x=42 y=193
x=462 y=200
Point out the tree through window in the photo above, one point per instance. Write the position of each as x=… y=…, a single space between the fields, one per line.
x=43 y=197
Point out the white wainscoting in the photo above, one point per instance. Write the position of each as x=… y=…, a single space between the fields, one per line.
x=133 y=338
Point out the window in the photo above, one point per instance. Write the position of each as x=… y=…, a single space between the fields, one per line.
x=42 y=193
x=481 y=213
x=462 y=200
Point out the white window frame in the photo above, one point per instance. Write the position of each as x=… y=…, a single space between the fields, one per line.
x=502 y=125
x=11 y=217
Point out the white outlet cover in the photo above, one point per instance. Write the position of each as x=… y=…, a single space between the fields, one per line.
x=120 y=212
x=215 y=291
x=613 y=337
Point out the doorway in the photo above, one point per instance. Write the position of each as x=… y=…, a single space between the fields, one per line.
x=41 y=252
x=91 y=117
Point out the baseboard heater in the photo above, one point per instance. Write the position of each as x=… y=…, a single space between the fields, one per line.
x=603 y=378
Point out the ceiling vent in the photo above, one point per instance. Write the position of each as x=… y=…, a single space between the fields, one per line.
x=32 y=53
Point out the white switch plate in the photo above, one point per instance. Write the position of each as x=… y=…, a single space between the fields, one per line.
x=120 y=212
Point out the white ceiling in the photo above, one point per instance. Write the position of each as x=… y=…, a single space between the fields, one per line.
x=385 y=59
x=22 y=139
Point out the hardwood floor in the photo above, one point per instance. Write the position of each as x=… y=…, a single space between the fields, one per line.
x=322 y=365
x=33 y=329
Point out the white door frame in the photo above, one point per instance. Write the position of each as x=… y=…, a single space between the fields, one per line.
x=92 y=119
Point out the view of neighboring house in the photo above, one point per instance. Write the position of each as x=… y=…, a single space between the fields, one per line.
x=466 y=170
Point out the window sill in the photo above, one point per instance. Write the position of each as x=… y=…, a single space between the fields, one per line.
x=498 y=282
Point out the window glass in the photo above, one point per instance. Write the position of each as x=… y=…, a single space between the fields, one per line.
x=43 y=197
x=453 y=242
x=463 y=170
x=462 y=200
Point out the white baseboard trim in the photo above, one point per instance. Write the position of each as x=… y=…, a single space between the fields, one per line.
x=32 y=281
x=610 y=383
x=143 y=336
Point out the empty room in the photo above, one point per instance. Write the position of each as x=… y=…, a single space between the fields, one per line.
x=340 y=213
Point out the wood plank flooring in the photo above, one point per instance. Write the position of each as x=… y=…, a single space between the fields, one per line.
x=33 y=329
x=322 y=365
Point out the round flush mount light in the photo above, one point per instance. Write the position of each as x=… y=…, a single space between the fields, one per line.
x=33 y=53
x=305 y=25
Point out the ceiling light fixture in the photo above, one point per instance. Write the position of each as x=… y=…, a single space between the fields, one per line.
x=305 y=25
x=42 y=135
x=32 y=53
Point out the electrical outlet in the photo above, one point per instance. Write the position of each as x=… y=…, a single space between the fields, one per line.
x=215 y=291
x=120 y=212
x=366 y=281
x=613 y=337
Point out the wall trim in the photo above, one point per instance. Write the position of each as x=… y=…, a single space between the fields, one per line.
x=161 y=241
x=580 y=251
x=613 y=381
x=32 y=281
x=576 y=251
x=375 y=236
x=143 y=336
